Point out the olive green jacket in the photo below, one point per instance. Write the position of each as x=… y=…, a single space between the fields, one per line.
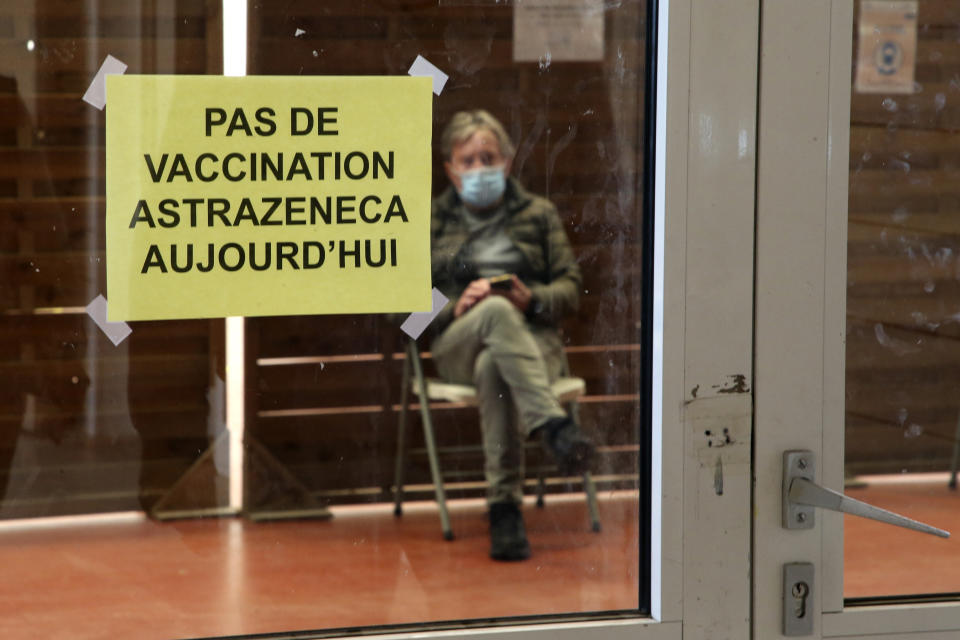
x=551 y=271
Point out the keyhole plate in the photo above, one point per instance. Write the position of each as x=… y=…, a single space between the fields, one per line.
x=798 y=599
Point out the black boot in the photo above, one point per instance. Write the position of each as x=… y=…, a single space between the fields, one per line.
x=508 y=536
x=571 y=448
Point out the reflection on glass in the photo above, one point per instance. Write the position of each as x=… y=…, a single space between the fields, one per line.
x=138 y=430
x=903 y=296
x=88 y=426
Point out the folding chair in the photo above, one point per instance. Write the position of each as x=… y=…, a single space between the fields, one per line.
x=956 y=456
x=566 y=389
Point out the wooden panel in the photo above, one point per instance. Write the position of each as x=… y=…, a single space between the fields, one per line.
x=903 y=299
x=322 y=447
x=576 y=127
x=372 y=382
x=607 y=316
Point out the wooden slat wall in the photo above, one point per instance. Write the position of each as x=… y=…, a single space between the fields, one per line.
x=577 y=127
x=88 y=426
x=903 y=304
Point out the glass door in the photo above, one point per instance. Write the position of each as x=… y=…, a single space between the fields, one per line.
x=679 y=558
x=855 y=326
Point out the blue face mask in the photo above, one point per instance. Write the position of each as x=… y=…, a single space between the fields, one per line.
x=482 y=188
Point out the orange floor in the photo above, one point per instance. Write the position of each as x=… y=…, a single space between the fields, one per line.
x=145 y=580
x=881 y=560
x=132 y=578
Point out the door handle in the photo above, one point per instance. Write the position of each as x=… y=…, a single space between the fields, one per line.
x=801 y=495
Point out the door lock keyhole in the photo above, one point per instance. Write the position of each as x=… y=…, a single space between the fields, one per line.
x=800 y=591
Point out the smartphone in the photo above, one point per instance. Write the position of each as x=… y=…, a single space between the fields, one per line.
x=504 y=282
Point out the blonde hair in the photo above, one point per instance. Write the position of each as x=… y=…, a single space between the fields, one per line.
x=464 y=124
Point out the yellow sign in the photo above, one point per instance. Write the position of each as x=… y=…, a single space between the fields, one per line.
x=262 y=196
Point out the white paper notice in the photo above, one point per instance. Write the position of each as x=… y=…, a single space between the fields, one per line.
x=548 y=31
x=887 y=52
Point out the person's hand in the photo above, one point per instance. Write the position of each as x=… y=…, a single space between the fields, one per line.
x=518 y=294
x=474 y=293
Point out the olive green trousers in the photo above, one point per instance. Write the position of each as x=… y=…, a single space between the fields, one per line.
x=511 y=363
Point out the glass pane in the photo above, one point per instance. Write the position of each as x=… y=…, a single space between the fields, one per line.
x=88 y=426
x=130 y=440
x=329 y=388
x=903 y=296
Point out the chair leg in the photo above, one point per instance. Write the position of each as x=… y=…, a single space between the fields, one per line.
x=588 y=486
x=430 y=442
x=401 y=461
x=541 y=488
x=956 y=456
x=591 y=490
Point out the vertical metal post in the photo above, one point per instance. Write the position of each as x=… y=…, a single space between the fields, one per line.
x=956 y=455
x=591 y=490
x=414 y=356
x=401 y=462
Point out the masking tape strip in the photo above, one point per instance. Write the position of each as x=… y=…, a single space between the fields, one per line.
x=97 y=92
x=416 y=322
x=423 y=67
x=116 y=331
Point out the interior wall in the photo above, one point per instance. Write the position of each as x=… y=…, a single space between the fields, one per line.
x=331 y=416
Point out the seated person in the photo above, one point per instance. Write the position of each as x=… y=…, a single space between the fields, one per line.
x=501 y=255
